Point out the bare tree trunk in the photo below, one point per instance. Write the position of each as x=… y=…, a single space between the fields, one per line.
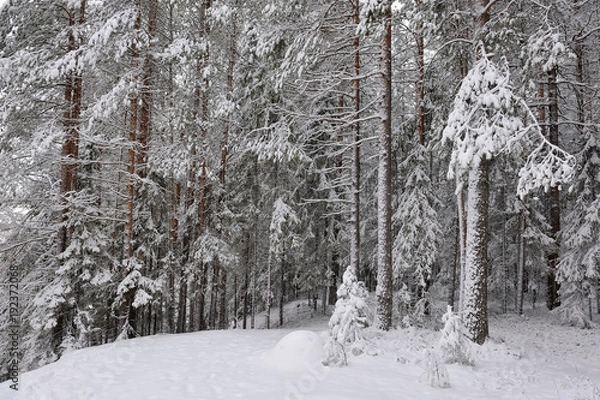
x=69 y=166
x=553 y=204
x=420 y=83
x=355 y=219
x=128 y=312
x=254 y=263
x=462 y=229
x=236 y=301
x=253 y=294
x=202 y=99
x=222 y=173
x=475 y=282
x=182 y=314
x=174 y=199
x=455 y=262
x=212 y=308
x=222 y=292
x=521 y=260
x=146 y=95
x=505 y=270
x=281 y=292
x=201 y=297
x=268 y=294
x=247 y=267
x=384 y=187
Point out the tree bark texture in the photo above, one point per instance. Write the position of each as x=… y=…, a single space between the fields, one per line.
x=476 y=266
x=384 y=187
x=553 y=199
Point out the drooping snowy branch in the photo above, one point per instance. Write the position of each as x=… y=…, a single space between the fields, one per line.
x=485 y=121
x=547 y=165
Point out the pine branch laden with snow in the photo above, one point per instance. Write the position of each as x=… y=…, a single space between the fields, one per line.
x=547 y=166
x=544 y=49
x=283 y=219
x=277 y=143
x=136 y=285
x=350 y=317
x=208 y=247
x=485 y=122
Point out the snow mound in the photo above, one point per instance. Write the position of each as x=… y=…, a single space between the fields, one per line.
x=296 y=352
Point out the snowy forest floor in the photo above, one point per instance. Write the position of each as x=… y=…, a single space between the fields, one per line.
x=530 y=357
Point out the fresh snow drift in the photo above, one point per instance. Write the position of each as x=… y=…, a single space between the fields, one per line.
x=296 y=352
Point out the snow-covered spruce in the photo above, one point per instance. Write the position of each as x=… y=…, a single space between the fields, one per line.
x=419 y=236
x=350 y=317
x=454 y=347
x=578 y=270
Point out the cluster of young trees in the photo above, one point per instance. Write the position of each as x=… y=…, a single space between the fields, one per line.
x=173 y=166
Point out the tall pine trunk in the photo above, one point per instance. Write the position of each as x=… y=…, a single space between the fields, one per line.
x=355 y=171
x=384 y=185
x=222 y=287
x=475 y=280
x=128 y=315
x=202 y=99
x=69 y=166
x=521 y=261
x=553 y=199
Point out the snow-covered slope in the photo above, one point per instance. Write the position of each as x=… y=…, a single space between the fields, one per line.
x=526 y=358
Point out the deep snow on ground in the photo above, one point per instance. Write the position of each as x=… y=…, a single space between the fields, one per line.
x=527 y=357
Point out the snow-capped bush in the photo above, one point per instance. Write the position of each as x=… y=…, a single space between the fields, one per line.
x=454 y=346
x=436 y=373
x=350 y=317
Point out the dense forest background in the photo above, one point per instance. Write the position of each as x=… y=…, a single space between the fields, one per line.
x=179 y=165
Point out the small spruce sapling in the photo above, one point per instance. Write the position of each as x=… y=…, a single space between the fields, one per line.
x=454 y=345
x=349 y=319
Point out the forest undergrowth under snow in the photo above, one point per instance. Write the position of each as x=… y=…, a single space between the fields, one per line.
x=528 y=357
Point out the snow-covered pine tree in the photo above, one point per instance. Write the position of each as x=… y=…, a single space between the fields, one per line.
x=482 y=123
x=382 y=12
